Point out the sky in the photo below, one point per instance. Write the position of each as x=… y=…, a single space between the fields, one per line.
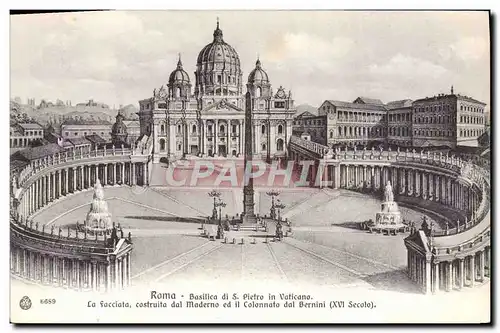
x=120 y=57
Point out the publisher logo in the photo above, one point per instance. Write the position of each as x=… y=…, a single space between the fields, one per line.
x=25 y=303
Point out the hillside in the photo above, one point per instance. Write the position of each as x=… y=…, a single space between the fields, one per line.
x=306 y=107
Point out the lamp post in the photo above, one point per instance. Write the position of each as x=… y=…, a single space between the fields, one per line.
x=220 y=204
x=279 y=206
x=214 y=194
x=272 y=194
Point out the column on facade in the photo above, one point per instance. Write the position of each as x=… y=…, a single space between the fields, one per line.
x=449 y=275
x=133 y=173
x=66 y=181
x=436 y=277
x=472 y=270
x=105 y=178
x=257 y=138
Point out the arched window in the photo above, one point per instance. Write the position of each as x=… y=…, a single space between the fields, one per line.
x=331 y=134
x=193 y=129
x=179 y=128
x=162 y=129
x=279 y=145
x=280 y=129
x=258 y=92
x=263 y=129
x=340 y=131
x=177 y=92
x=162 y=144
x=263 y=146
x=222 y=129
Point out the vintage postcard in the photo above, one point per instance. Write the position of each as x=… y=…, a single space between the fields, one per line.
x=250 y=167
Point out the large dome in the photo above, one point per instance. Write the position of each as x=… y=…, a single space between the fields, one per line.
x=179 y=75
x=258 y=75
x=219 y=52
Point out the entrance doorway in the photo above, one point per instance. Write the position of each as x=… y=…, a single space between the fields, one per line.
x=194 y=150
x=234 y=153
x=222 y=150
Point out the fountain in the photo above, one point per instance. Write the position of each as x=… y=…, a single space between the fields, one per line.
x=98 y=218
x=389 y=217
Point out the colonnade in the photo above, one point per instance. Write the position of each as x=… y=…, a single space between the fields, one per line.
x=439 y=186
x=78 y=273
x=51 y=185
x=434 y=274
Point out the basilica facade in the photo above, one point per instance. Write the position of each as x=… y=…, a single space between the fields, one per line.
x=209 y=122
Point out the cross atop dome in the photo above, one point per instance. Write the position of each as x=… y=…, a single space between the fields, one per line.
x=257 y=63
x=218 y=33
x=179 y=63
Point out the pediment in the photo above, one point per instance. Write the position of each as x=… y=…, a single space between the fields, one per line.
x=222 y=106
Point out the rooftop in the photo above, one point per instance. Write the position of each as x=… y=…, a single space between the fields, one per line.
x=85 y=122
x=34 y=153
x=458 y=96
x=362 y=106
x=78 y=141
x=404 y=103
x=30 y=126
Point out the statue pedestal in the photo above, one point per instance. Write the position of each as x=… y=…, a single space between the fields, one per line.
x=389 y=216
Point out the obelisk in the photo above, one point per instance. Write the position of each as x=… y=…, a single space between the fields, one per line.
x=248 y=200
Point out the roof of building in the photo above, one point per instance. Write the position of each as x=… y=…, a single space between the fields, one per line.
x=34 y=153
x=78 y=141
x=458 y=96
x=404 y=103
x=52 y=137
x=16 y=165
x=96 y=139
x=85 y=122
x=132 y=123
x=367 y=100
x=305 y=114
x=361 y=106
x=30 y=126
x=485 y=138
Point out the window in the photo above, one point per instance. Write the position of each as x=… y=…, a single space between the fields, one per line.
x=280 y=129
x=263 y=129
x=85 y=133
x=193 y=130
x=234 y=128
x=179 y=128
x=162 y=129
x=222 y=129
x=263 y=146
x=179 y=147
x=76 y=133
x=162 y=144
x=258 y=92
x=219 y=78
x=279 y=145
x=331 y=134
x=66 y=133
x=177 y=92
x=279 y=105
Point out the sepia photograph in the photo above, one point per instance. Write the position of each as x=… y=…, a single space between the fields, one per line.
x=250 y=166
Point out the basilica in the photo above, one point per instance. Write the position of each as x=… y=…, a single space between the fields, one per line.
x=209 y=122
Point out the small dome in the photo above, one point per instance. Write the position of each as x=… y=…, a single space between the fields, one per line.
x=179 y=75
x=119 y=127
x=258 y=75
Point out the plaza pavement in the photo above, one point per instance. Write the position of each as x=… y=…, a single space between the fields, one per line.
x=322 y=250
